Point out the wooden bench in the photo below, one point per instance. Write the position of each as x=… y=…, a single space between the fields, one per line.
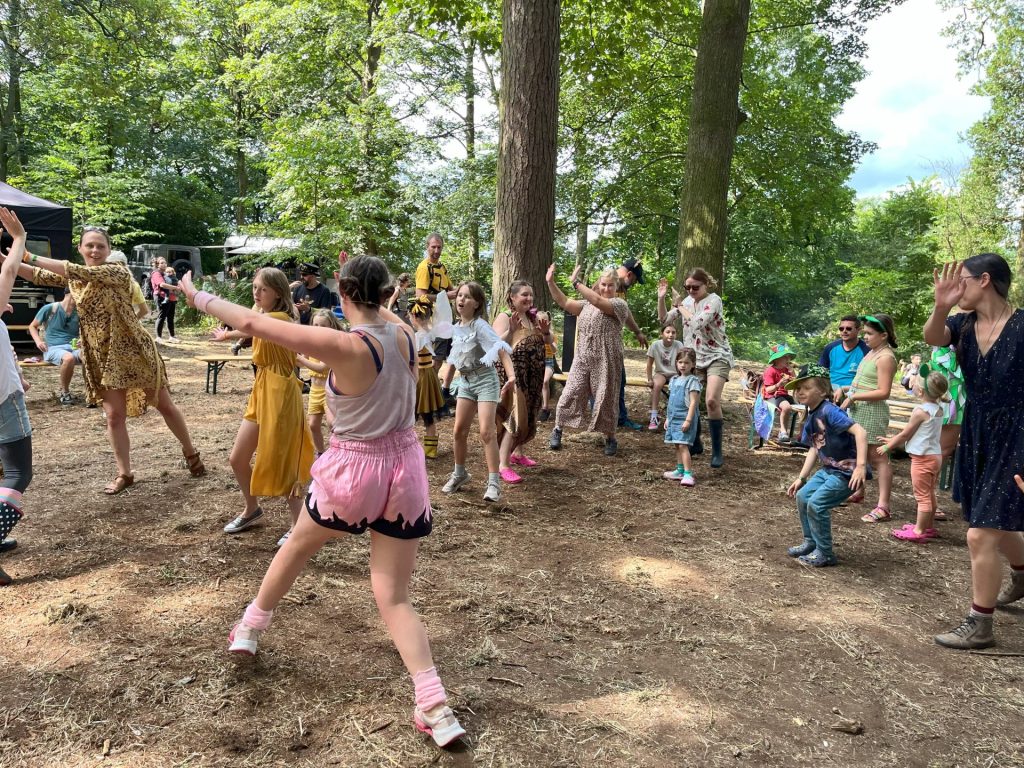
x=35 y=364
x=215 y=363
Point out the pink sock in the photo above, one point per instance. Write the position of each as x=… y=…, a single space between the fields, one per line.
x=429 y=691
x=256 y=617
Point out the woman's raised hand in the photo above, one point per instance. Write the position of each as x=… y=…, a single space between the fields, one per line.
x=550 y=277
x=219 y=334
x=662 y=288
x=11 y=223
x=949 y=288
x=576 y=273
x=186 y=286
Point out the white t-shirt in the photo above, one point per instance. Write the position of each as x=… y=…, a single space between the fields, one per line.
x=664 y=357
x=926 y=441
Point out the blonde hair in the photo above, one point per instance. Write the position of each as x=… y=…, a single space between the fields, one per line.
x=612 y=273
x=274 y=279
x=936 y=386
x=329 y=316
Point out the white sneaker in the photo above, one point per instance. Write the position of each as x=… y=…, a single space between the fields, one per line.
x=283 y=539
x=455 y=482
x=174 y=340
x=243 y=639
x=675 y=474
x=493 y=492
x=440 y=723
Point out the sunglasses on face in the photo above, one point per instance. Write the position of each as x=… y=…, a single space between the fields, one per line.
x=693 y=288
x=844 y=328
x=93 y=228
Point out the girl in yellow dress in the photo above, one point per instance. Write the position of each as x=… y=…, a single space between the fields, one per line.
x=322 y=318
x=273 y=427
x=123 y=370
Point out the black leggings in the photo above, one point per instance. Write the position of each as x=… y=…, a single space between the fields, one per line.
x=166 y=313
x=17 y=462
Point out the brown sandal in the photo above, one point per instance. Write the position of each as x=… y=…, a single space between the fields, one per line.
x=118 y=484
x=195 y=465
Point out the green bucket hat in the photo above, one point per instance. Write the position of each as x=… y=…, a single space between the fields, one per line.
x=775 y=351
x=811 y=371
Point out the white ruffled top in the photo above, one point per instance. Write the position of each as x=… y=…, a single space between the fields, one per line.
x=475 y=344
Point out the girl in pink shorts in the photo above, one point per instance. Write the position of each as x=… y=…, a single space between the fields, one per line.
x=372 y=476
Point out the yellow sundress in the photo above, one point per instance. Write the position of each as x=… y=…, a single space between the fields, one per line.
x=284 y=448
x=117 y=352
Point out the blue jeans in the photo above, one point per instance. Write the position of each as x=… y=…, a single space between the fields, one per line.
x=815 y=501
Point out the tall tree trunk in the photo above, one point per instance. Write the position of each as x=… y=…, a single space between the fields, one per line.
x=370 y=226
x=241 y=165
x=10 y=117
x=473 y=225
x=714 y=120
x=524 y=222
x=1017 y=287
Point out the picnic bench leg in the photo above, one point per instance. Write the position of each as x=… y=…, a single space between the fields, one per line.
x=216 y=373
x=209 y=369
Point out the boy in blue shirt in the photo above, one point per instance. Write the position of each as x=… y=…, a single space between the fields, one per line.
x=841 y=445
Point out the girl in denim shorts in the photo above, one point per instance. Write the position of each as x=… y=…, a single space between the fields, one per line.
x=15 y=430
x=475 y=349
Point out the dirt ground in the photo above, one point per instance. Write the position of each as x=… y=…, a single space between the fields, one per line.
x=599 y=616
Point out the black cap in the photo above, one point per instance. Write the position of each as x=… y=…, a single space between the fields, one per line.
x=309 y=269
x=634 y=266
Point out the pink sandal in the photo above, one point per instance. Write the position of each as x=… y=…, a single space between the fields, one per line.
x=523 y=461
x=510 y=476
x=879 y=514
x=907 y=533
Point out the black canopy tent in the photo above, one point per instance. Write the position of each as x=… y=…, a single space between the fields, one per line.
x=44 y=221
x=49 y=234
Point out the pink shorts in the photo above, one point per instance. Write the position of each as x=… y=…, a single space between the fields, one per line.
x=377 y=484
x=924 y=478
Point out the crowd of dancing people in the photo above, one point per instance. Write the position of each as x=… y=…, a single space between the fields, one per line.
x=410 y=356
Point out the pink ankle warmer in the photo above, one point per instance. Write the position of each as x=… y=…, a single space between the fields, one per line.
x=429 y=691
x=256 y=617
x=11 y=496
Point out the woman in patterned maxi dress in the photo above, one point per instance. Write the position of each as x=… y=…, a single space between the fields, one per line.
x=123 y=370
x=597 y=367
x=988 y=335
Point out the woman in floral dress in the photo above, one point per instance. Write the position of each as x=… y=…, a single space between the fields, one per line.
x=123 y=370
x=597 y=367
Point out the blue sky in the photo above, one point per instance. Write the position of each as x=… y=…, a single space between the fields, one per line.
x=912 y=103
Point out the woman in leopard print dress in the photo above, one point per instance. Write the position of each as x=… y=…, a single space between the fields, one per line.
x=122 y=367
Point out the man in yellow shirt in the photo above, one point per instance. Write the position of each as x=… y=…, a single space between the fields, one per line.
x=431 y=279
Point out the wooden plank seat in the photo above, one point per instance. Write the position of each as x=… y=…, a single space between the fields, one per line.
x=215 y=364
x=631 y=381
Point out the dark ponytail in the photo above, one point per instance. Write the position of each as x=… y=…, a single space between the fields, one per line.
x=363 y=279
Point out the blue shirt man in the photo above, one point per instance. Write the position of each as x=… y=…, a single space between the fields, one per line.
x=842 y=356
x=59 y=322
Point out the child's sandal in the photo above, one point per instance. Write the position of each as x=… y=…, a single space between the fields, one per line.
x=195 y=465
x=879 y=514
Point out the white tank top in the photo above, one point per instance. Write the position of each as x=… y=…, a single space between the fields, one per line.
x=927 y=440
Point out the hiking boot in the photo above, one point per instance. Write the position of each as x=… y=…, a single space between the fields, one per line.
x=611 y=446
x=556 y=440
x=975 y=632
x=1013 y=591
x=8 y=544
x=630 y=424
x=5 y=580
x=64 y=398
x=493 y=493
x=455 y=482
x=545 y=414
x=439 y=723
x=243 y=639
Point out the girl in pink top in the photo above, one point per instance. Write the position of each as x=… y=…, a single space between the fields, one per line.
x=373 y=476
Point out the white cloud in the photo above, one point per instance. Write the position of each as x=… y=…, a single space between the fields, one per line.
x=912 y=103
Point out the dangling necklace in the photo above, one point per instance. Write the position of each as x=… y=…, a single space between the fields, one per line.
x=992 y=330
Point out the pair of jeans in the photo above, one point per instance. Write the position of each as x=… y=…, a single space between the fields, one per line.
x=815 y=502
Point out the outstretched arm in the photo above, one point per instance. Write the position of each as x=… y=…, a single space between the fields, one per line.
x=9 y=271
x=571 y=306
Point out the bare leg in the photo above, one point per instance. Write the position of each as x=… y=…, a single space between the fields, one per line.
x=465 y=410
x=316 y=421
x=1011 y=545
x=656 y=387
x=175 y=421
x=291 y=558
x=488 y=434
x=986 y=566
x=883 y=472
x=240 y=460
x=505 y=450
x=295 y=507
x=391 y=566
x=67 y=370
x=115 y=406
x=713 y=396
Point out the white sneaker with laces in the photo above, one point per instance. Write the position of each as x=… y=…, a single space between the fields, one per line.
x=493 y=492
x=675 y=474
x=455 y=482
x=440 y=724
x=243 y=639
